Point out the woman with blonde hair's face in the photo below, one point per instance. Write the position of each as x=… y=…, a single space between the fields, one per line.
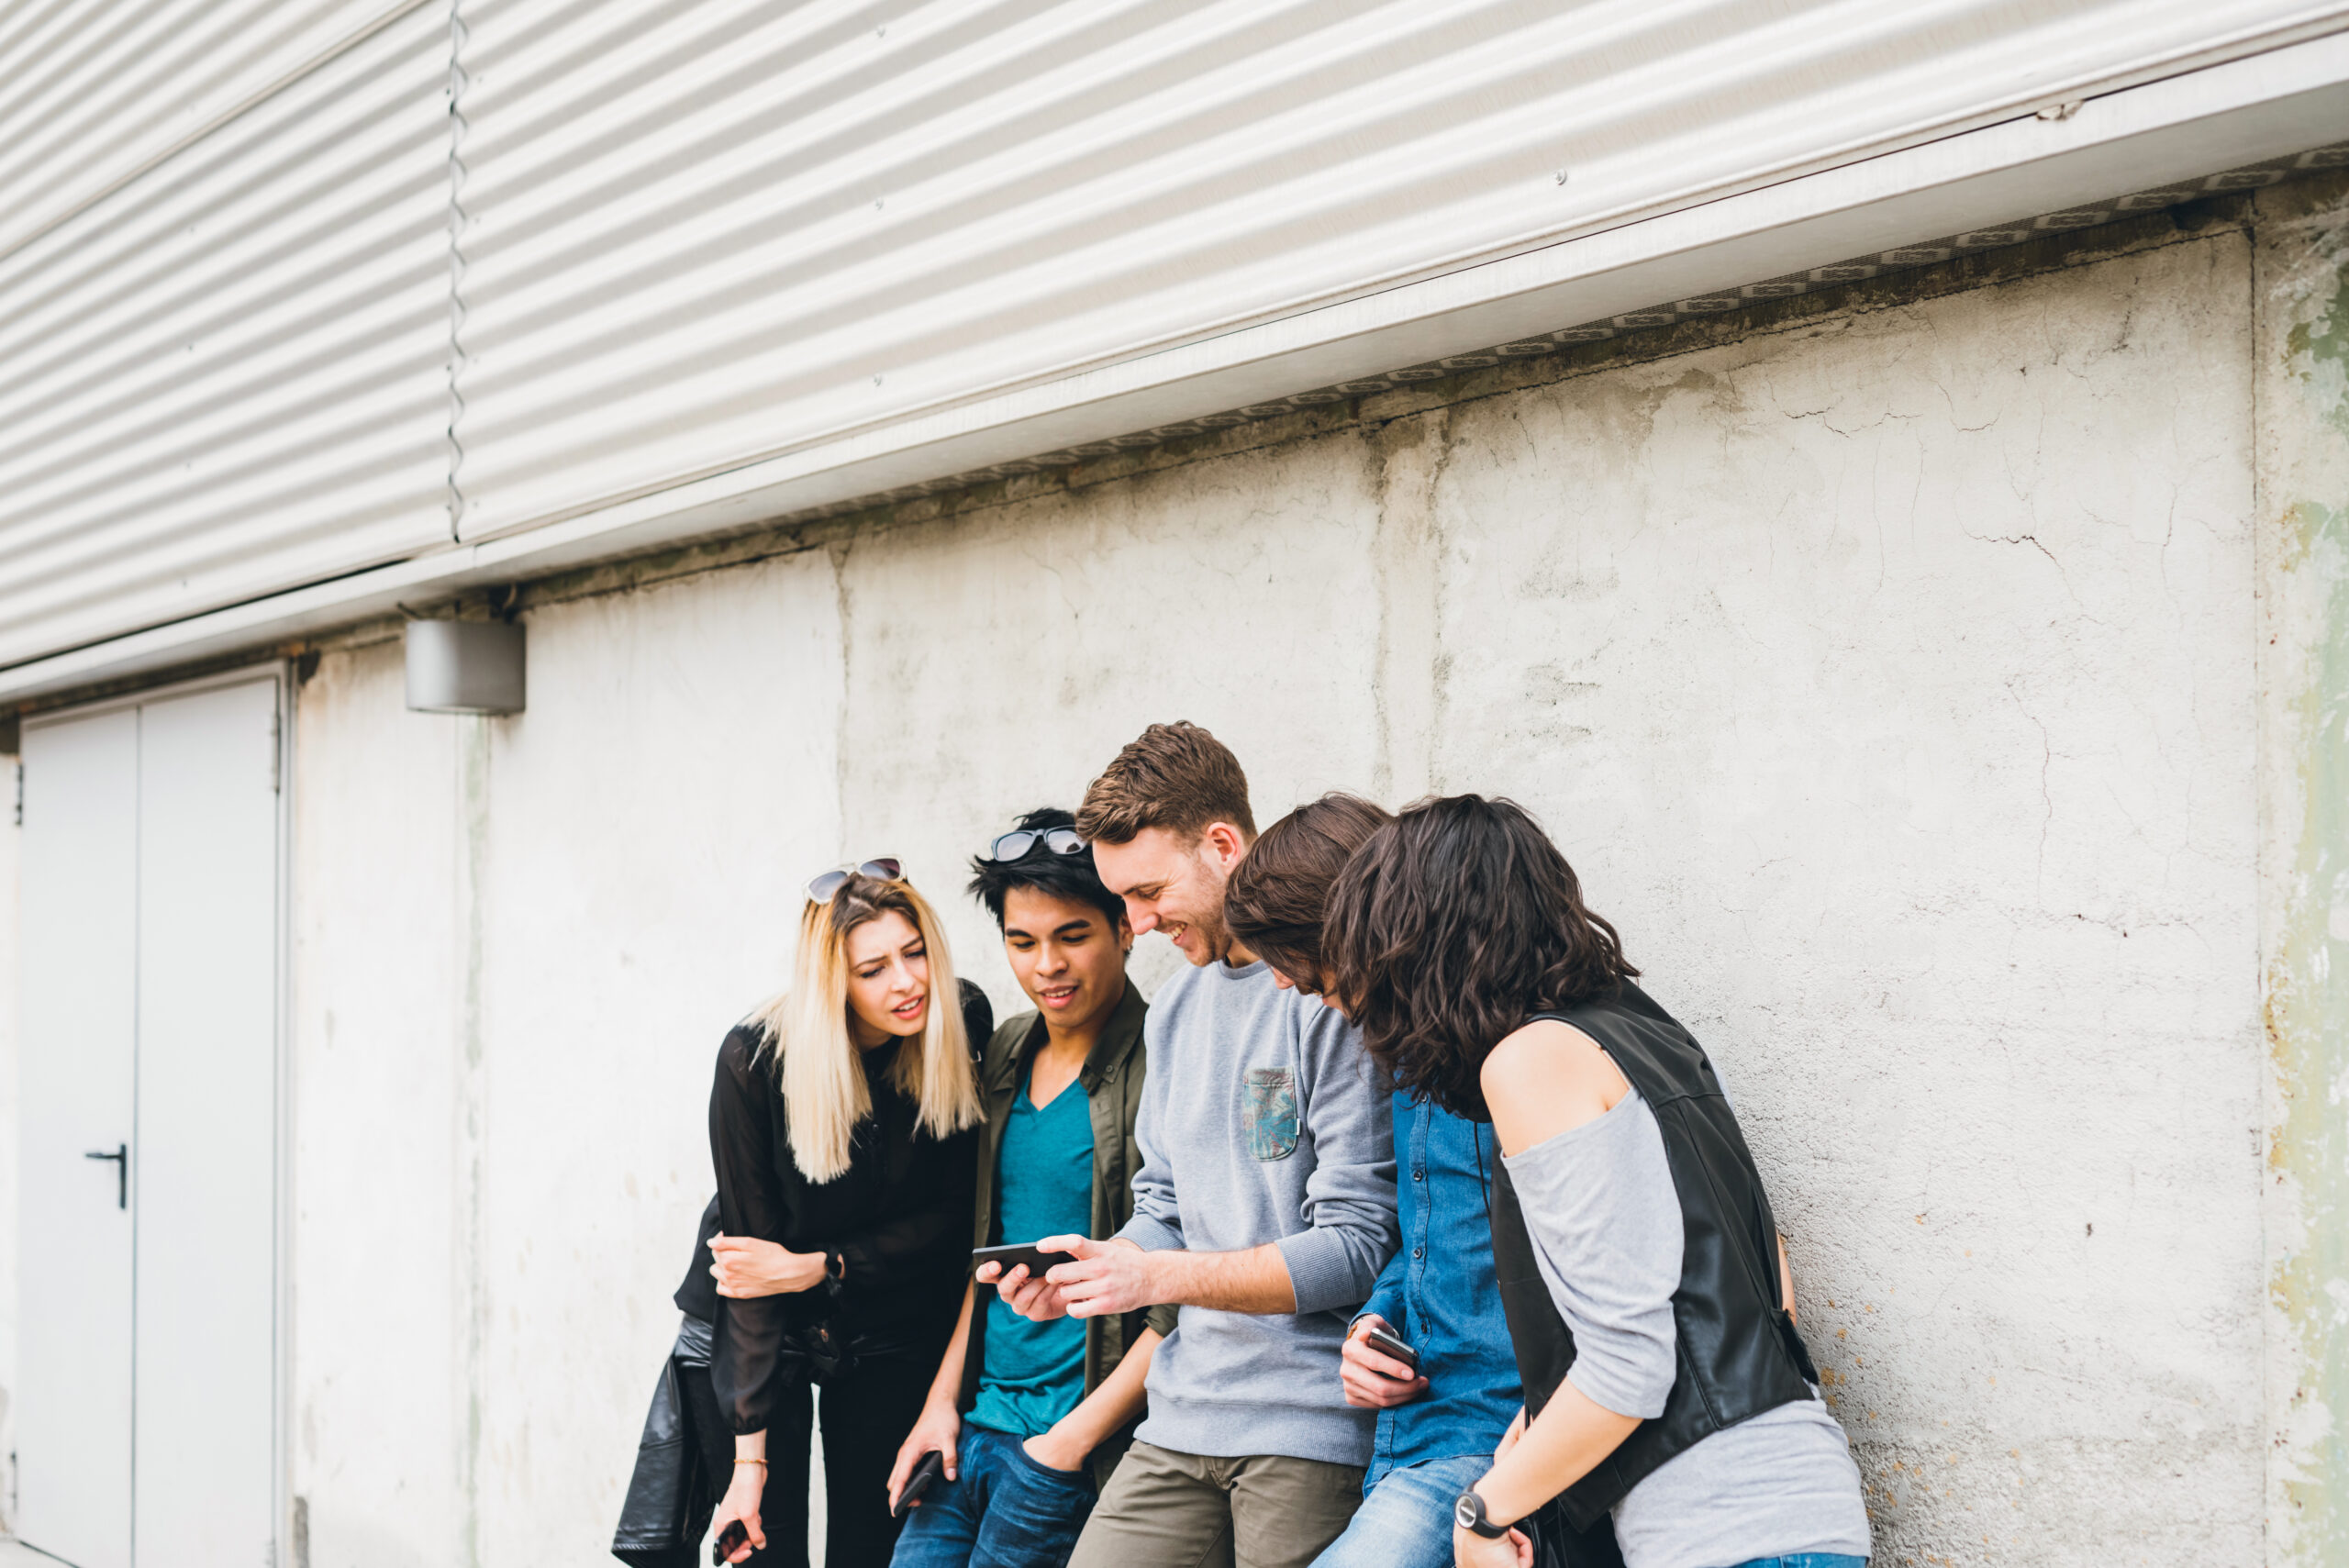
x=888 y=979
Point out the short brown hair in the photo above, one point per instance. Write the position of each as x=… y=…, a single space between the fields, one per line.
x=1176 y=776
x=1275 y=901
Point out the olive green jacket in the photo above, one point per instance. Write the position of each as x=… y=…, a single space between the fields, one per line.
x=1112 y=1079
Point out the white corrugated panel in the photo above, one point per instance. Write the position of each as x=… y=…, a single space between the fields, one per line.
x=701 y=232
x=91 y=91
x=231 y=376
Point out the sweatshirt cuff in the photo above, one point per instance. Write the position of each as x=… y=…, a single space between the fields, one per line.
x=1321 y=1270
x=1151 y=1235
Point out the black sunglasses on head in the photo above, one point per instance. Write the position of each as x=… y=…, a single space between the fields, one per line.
x=822 y=886
x=1016 y=844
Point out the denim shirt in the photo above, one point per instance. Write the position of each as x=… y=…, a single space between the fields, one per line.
x=1439 y=1293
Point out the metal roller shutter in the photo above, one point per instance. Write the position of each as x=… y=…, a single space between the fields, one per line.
x=231 y=376
x=698 y=233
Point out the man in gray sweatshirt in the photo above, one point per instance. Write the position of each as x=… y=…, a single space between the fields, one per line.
x=1264 y=1210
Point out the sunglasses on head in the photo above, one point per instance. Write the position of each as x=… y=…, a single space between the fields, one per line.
x=1015 y=844
x=822 y=886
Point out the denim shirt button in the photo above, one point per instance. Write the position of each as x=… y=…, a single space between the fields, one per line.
x=1419 y=1175
x=1419 y=1252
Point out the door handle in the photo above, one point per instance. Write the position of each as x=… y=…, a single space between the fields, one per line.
x=121 y=1158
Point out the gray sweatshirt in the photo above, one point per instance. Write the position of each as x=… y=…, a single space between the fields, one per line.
x=1259 y=1122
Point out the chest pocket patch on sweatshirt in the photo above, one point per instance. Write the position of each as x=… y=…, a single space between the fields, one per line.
x=1270 y=1094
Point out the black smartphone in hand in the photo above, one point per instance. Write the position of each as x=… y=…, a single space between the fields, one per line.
x=729 y=1540
x=1027 y=1252
x=1384 y=1343
x=926 y=1473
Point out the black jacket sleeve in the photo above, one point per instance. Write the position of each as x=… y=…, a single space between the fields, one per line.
x=751 y=1202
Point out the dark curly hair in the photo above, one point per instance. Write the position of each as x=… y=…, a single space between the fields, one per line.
x=1451 y=925
x=1276 y=896
x=1062 y=876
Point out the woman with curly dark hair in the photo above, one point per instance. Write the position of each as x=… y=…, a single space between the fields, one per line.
x=1646 y=1289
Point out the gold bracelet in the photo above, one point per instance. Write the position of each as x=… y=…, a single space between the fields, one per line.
x=750 y=1462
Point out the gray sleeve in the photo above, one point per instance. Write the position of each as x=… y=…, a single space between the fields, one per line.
x=1350 y=1196
x=1604 y=1219
x=1157 y=1222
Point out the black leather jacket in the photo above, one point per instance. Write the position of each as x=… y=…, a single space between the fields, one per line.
x=1738 y=1351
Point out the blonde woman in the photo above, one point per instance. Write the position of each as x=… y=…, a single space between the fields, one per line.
x=841 y=1126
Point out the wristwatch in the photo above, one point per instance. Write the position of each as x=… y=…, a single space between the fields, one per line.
x=1468 y=1513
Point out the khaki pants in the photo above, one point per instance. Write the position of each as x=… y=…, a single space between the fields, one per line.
x=1164 y=1509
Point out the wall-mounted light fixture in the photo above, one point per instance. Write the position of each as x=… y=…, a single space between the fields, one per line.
x=465 y=666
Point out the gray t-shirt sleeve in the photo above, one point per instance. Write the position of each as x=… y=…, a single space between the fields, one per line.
x=1604 y=1217
x=1157 y=1225
x=1350 y=1196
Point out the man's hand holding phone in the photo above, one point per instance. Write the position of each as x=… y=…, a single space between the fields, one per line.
x=1375 y=1380
x=1027 y=1293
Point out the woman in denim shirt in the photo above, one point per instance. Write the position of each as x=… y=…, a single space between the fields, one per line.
x=1437 y=1428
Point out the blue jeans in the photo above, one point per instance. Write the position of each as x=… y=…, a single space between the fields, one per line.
x=1004 y=1510
x=1405 y=1519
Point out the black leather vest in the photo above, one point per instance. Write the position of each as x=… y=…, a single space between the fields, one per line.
x=1738 y=1350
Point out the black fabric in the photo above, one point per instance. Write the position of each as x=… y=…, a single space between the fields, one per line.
x=783 y=1505
x=697 y=1296
x=899 y=1217
x=1738 y=1352
x=865 y=1414
x=684 y=1463
x=1558 y=1544
x=669 y=1496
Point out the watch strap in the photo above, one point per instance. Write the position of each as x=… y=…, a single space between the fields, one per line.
x=1468 y=1513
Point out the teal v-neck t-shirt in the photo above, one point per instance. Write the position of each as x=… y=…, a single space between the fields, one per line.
x=1034 y=1372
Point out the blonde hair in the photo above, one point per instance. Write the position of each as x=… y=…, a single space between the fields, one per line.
x=817 y=1063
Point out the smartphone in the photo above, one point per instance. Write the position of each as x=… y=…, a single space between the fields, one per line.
x=932 y=1466
x=1379 y=1339
x=728 y=1541
x=1026 y=1253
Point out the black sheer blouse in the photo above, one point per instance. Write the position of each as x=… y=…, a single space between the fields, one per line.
x=899 y=1217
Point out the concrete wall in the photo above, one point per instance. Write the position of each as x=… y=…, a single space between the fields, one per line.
x=1889 y=671
x=2303 y=515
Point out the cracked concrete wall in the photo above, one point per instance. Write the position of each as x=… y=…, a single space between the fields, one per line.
x=1890 y=674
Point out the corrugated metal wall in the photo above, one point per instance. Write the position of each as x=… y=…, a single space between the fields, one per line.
x=91 y=91
x=230 y=375
x=698 y=232
x=691 y=234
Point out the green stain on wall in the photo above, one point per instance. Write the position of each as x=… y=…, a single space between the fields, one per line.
x=2308 y=1022
x=2307 y=992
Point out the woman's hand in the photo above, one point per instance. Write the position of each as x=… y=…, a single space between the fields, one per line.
x=1374 y=1380
x=745 y=1266
x=936 y=1430
x=1054 y=1449
x=1470 y=1549
x=741 y=1502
